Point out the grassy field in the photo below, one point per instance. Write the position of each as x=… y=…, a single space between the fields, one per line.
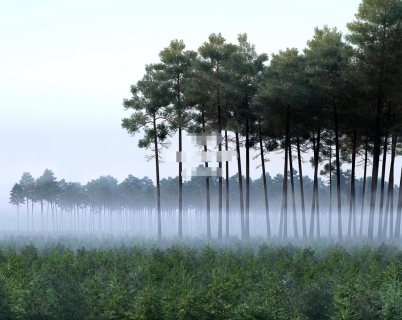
x=73 y=277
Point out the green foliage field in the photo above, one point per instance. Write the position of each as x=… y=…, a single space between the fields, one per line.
x=237 y=280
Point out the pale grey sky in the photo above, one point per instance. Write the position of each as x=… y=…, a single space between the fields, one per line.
x=66 y=66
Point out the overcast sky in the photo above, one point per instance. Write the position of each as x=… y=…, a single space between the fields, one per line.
x=66 y=66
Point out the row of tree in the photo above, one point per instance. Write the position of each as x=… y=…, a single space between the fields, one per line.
x=105 y=204
x=340 y=100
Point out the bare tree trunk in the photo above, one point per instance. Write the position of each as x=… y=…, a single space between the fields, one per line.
x=227 y=187
x=243 y=236
x=52 y=210
x=264 y=179
x=32 y=214
x=57 y=219
x=352 y=190
x=27 y=214
x=338 y=172
x=41 y=215
x=220 y=177
x=364 y=187
x=247 y=222
x=382 y=188
x=100 y=220
x=284 y=206
x=85 y=218
x=207 y=187
x=284 y=211
x=180 y=163
x=301 y=189
x=315 y=202
x=391 y=211
x=180 y=188
x=390 y=191
x=374 y=175
x=330 y=193
x=398 y=211
x=292 y=185
x=158 y=187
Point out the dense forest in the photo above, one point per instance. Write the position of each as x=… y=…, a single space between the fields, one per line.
x=338 y=100
x=115 y=279
x=105 y=204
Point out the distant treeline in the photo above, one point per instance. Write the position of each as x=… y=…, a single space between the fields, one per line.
x=69 y=204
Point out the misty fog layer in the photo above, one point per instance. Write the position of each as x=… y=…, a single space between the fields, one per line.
x=105 y=206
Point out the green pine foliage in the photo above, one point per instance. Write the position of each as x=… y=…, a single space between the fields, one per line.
x=199 y=281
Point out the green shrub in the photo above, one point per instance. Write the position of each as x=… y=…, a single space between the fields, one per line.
x=148 y=304
x=5 y=308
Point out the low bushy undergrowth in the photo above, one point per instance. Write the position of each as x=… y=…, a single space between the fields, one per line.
x=108 y=279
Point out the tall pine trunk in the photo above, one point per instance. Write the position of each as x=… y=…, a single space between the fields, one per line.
x=158 y=187
x=41 y=215
x=27 y=214
x=207 y=187
x=227 y=187
x=180 y=163
x=284 y=211
x=330 y=193
x=398 y=211
x=389 y=208
x=220 y=166
x=374 y=175
x=382 y=187
x=32 y=214
x=180 y=187
x=52 y=210
x=247 y=222
x=303 y=208
x=264 y=179
x=292 y=185
x=338 y=172
x=315 y=209
x=352 y=190
x=243 y=236
x=283 y=228
x=364 y=187
x=47 y=216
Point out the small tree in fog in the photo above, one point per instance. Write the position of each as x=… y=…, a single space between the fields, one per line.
x=17 y=198
x=27 y=183
x=46 y=189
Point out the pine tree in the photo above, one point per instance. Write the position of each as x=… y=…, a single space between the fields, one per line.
x=327 y=60
x=27 y=183
x=213 y=64
x=17 y=198
x=149 y=98
x=175 y=66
